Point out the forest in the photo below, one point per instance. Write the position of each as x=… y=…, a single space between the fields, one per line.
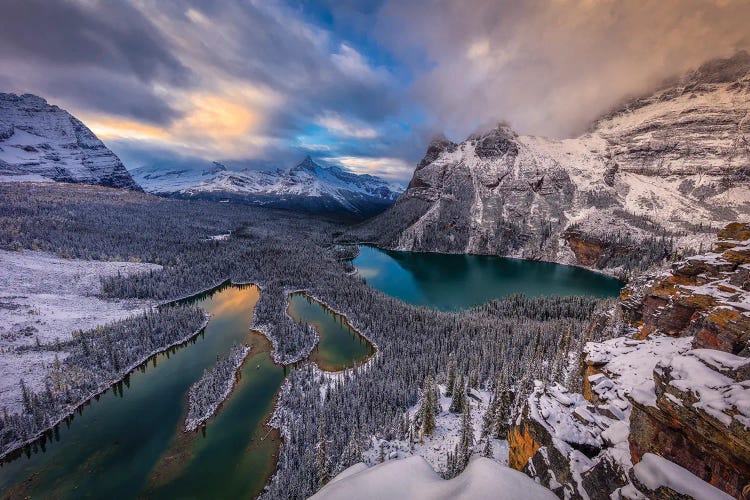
x=502 y=344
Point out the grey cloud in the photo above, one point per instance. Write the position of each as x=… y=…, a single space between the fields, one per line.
x=552 y=67
x=93 y=56
x=112 y=35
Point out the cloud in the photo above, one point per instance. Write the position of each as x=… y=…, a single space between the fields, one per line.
x=551 y=67
x=90 y=54
x=263 y=82
x=391 y=168
x=341 y=127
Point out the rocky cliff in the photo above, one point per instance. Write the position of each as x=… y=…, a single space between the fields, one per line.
x=645 y=181
x=39 y=141
x=665 y=409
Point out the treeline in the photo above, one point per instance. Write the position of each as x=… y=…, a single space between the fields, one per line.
x=96 y=359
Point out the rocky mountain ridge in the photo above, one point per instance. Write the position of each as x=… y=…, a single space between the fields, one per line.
x=649 y=179
x=39 y=141
x=665 y=407
x=308 y=186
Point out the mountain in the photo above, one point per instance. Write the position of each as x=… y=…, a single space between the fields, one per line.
x=649 y=177
x=307 y=187
x=39 y=141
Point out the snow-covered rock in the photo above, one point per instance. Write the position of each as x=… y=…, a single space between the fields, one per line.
x=412 y=478
x=39 y=141
x=655 y=474
x=669 y=161
x=307 y=186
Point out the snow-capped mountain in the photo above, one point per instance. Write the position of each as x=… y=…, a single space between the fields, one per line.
x=39 y=141
x=672 y=163
x=307 y=186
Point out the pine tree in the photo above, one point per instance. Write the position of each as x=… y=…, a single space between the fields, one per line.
x=352 y=453
x=427 y=411
x=451 y=380
x=487 y=450
x=488 y=418
x=502 y=413
x=322 y=462
x=458 y=400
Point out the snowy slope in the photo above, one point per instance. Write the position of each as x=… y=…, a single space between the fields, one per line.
x=413 y=478
x=305 y=186
x=666 y=162
x=39 y=141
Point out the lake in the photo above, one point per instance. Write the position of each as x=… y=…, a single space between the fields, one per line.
x=129 y=443
x=458 y=281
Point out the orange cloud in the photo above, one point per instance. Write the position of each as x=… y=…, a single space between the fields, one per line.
x=216 y=117
x=109 y=127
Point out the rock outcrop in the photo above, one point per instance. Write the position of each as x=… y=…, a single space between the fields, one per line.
x=622 y=196
x=39 y=141
x=668 y=404
x=706 y=296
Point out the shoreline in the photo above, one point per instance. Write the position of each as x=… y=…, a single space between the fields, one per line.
x=5 y=456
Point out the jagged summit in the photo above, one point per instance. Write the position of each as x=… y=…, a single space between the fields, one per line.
x=39 y=141
x=306 y=165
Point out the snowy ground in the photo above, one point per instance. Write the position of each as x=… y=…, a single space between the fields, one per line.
x=413 y=479
x=434 y=449
x=45 y=298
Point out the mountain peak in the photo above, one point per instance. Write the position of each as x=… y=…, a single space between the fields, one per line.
x=722 y=70
x=438 y=144
x=306 y=165
x=41 y=141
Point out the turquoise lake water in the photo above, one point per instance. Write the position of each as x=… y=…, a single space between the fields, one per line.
x=457 y=281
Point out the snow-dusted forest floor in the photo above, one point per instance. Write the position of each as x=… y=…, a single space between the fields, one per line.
x=434 y=448
x=43 y=299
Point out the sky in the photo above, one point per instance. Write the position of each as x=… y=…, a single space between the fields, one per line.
x=360 y=84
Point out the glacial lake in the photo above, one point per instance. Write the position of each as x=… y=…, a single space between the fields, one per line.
x=456 y=281
x=129 y=443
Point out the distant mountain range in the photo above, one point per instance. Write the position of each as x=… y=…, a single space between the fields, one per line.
x=666 y=165
x=42 y=142
x=39 y=141
x=306 y=187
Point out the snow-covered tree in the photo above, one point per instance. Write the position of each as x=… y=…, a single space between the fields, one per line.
x=429 y=403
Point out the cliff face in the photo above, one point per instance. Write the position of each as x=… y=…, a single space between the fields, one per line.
x=670 y=397
x=660 y=165
x=39 y=141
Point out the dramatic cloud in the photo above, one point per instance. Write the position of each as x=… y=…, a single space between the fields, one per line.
x=550 y=67
x=361 y=84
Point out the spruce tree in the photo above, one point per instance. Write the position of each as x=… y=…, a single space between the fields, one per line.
x=488 y=418
x=458 y=400
x=451 y=380
x=487 y=450
x=428 y=406
x=322 y=462
x=501 y=414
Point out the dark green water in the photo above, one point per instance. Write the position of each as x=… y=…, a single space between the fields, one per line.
x=451 y=282
x=339 y=343
x=130 y=443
